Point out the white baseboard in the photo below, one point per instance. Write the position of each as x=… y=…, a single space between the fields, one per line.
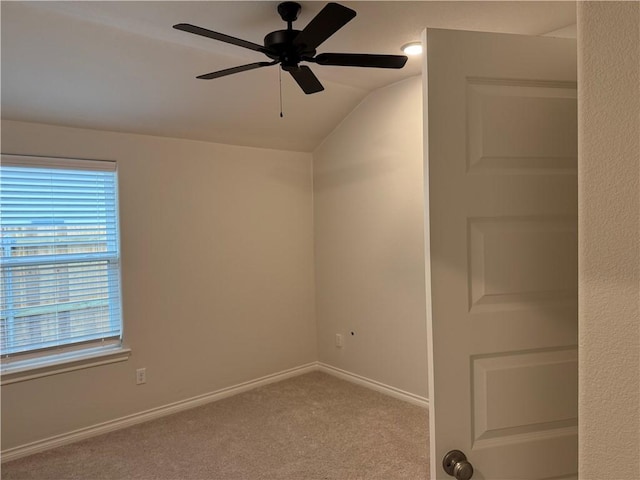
x=140 y=417
x=374 y=385
x=152 y=414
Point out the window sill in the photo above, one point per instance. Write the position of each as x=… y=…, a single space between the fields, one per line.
x=22 y=370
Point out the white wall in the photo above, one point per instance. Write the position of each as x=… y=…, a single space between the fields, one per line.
x=609 y=239
x=369 y=240
x=217 y=271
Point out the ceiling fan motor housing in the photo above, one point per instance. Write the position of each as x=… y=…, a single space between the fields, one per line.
x=280 y=46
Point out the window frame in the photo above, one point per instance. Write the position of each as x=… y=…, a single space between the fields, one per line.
x=72 y=356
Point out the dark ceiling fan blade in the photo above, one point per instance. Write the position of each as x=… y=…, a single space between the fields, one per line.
x=360 y=60
x=304 y=77
x=328 y=21
x=230 y=71
x=187 y=27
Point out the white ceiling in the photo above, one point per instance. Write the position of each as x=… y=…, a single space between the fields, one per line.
x=121 y=66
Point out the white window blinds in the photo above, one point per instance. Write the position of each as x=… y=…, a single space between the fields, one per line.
x=60 y=259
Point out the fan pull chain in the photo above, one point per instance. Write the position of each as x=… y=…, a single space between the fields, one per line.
x=280 y=80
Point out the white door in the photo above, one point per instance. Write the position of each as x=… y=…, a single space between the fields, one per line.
x=501 y=167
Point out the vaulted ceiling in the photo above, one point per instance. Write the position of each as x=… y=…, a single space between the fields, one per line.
x=121 y=66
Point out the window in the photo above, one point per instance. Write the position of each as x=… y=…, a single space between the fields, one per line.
x=60 y=263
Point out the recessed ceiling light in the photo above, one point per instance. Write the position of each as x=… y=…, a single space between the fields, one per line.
x=413 y=48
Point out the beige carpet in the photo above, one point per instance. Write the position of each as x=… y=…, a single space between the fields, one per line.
x=310 y=427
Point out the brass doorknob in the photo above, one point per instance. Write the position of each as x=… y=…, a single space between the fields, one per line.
x=455 y=464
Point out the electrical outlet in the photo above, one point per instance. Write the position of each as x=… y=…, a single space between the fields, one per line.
x=141 y=376
x=339 y=341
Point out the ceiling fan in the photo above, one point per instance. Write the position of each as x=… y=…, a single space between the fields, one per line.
x=291 y=47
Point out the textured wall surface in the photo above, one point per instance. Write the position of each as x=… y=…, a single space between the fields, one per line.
x=217 y=275
x=369 y=240
x=609 y=239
